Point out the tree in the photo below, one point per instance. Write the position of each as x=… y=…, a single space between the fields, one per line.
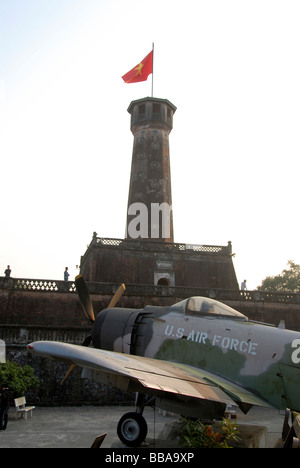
x=285 y=282
x=19 y=379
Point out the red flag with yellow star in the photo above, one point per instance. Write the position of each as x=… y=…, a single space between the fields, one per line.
x=141 y=71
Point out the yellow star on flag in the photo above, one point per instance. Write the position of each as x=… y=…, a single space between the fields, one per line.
x=139 y=69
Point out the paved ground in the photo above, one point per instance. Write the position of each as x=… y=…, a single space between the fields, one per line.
x=78 y=427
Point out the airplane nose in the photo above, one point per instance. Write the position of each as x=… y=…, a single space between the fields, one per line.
x=113 y=328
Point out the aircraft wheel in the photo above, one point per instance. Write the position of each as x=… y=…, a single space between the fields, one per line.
x=132 y=429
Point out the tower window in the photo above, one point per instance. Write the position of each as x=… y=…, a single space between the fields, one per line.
x=142 y=109
x=156 y=108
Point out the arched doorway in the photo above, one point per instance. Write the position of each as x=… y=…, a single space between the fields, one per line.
x=163 y=282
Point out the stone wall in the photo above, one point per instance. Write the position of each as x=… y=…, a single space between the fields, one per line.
x=54 y=305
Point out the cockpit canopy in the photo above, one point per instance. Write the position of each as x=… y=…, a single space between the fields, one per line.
x=204 y=306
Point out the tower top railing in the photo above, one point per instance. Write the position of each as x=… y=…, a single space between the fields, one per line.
x=148 y=245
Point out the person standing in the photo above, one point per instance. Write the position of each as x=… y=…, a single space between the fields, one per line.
x=66 y=274
x=7 y=272
x=4 y=406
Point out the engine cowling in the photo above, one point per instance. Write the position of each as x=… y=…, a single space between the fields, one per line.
x=123 y=330
x=113 y=329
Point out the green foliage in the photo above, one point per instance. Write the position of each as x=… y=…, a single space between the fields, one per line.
x=285 y=282
x=19 y=379
x=198 y=435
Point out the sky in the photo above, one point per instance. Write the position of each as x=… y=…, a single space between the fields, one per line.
x=232 y=69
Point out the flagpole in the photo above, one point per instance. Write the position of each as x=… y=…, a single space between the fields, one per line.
x=152 y=68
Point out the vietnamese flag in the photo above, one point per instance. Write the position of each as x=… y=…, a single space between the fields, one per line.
x=141 y=71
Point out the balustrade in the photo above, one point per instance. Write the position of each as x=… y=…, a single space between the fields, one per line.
x=56 y=286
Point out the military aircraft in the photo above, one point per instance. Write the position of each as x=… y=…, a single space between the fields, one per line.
x=194 y=357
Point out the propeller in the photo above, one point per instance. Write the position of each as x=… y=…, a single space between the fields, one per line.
x=85 y=298
x=117 y=296
x=87 y=305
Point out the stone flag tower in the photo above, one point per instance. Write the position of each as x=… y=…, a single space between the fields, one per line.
x=148 y=254
x=149 y=215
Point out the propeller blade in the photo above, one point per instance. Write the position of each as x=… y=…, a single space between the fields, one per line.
x=72 y=367
x=85 y=298
x=117 y=296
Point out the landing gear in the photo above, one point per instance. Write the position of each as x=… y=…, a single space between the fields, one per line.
x=132 y=429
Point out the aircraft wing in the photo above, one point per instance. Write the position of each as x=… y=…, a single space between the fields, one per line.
x=144 y=375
